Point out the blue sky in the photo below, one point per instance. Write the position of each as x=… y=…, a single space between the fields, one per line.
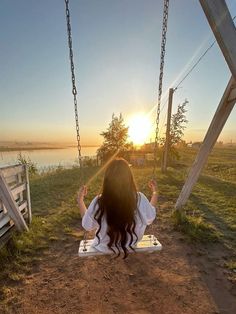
x=116 y=51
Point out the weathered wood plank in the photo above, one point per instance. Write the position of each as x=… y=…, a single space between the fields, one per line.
x=19 y=177
x=232 y=95
x=6 y=235
x=222 y=25
x=5 y=229
x=1 y=206
x=2 y=214
x=18 y=189
x=11 y=179
x=4 y=220
x=12 y=208
x=23 y=205
x=167 y=142
x=11 y=170
x=28 y=194
x=223 y=111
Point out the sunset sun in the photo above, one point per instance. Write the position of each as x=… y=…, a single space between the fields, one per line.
x=139 y=129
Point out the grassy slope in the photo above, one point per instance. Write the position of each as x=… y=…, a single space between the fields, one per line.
x=212 y=210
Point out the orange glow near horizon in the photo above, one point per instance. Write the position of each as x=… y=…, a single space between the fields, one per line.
x=139 y=128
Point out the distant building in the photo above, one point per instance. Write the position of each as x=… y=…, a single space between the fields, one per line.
x=149 y=147
x=137 y=160
x=196 y=145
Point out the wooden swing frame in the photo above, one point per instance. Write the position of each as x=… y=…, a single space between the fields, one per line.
x=222 y=25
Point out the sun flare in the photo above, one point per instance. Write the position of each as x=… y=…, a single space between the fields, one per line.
x=139 y=129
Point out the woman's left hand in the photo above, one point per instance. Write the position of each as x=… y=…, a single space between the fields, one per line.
x=153 y=185
x=82 y=192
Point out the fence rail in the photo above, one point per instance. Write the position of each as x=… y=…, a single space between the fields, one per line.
x=15 y=205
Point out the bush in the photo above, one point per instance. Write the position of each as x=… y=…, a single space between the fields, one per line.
x=23 y=160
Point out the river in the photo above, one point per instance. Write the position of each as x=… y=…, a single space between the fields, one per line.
x=45 y=158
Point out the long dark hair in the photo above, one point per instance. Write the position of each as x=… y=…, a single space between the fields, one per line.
x=118 y=203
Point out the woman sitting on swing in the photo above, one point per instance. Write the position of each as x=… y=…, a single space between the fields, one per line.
x=120 y=214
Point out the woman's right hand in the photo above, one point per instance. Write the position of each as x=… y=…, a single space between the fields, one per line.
x=153 y=185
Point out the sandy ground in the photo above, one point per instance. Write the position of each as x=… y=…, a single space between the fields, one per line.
x=181 y=279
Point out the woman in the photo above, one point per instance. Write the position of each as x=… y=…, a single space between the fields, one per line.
x=120 y=214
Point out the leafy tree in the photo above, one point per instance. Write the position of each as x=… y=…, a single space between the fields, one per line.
x=115 y=139
x=177 y=127
x=178 y=124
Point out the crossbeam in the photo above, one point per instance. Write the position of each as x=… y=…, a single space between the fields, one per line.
x=222 y=25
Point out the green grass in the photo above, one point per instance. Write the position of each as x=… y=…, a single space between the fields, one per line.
x=209 y=215
x=195 y=228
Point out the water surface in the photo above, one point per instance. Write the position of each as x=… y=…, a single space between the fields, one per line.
x=44 y=158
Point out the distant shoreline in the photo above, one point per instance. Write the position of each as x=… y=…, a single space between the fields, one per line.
x=15 y=149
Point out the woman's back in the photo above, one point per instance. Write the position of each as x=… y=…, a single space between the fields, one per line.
x=144 y=215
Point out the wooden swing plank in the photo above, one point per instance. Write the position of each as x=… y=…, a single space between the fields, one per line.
x=149 y=243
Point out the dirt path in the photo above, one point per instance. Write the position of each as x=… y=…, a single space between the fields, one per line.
x=180 y=279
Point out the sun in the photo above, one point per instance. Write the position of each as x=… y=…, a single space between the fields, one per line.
x=139 y=128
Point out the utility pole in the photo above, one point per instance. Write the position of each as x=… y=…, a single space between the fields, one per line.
x=167 y=142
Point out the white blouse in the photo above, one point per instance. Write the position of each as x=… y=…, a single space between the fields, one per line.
x=144 y=216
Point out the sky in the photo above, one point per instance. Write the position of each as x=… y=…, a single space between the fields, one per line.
x=116 y=53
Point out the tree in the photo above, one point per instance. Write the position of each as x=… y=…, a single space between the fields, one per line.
x=115 y=139
x=177 y=127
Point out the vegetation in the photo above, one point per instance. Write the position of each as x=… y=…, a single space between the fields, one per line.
x=22 y=160
x=115 y=139
x=195 y=228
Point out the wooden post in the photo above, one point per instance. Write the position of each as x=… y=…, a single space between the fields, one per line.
x=11 y=206
x=19 y=177
x=167 y=142
x=222 y=25
x=223 y=111
x=28 y=194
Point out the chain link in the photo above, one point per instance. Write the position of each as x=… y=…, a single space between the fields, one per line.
x=162 y=60
x=72 y=67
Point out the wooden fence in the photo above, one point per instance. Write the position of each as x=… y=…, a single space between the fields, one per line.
x=15 y=206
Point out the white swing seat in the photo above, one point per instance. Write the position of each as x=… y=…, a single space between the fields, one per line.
x=149 y=243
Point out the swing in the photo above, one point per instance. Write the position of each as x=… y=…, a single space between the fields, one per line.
x=149 y=243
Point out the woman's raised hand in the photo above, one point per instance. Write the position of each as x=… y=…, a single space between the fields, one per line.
x=82 y=192
x=153 y=185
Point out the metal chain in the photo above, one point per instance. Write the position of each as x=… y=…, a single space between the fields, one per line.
x=72 y=67
x=74 y=92
x=162 y=60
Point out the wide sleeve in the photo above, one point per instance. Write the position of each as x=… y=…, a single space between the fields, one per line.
x=146 y=210
x=88 y=221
